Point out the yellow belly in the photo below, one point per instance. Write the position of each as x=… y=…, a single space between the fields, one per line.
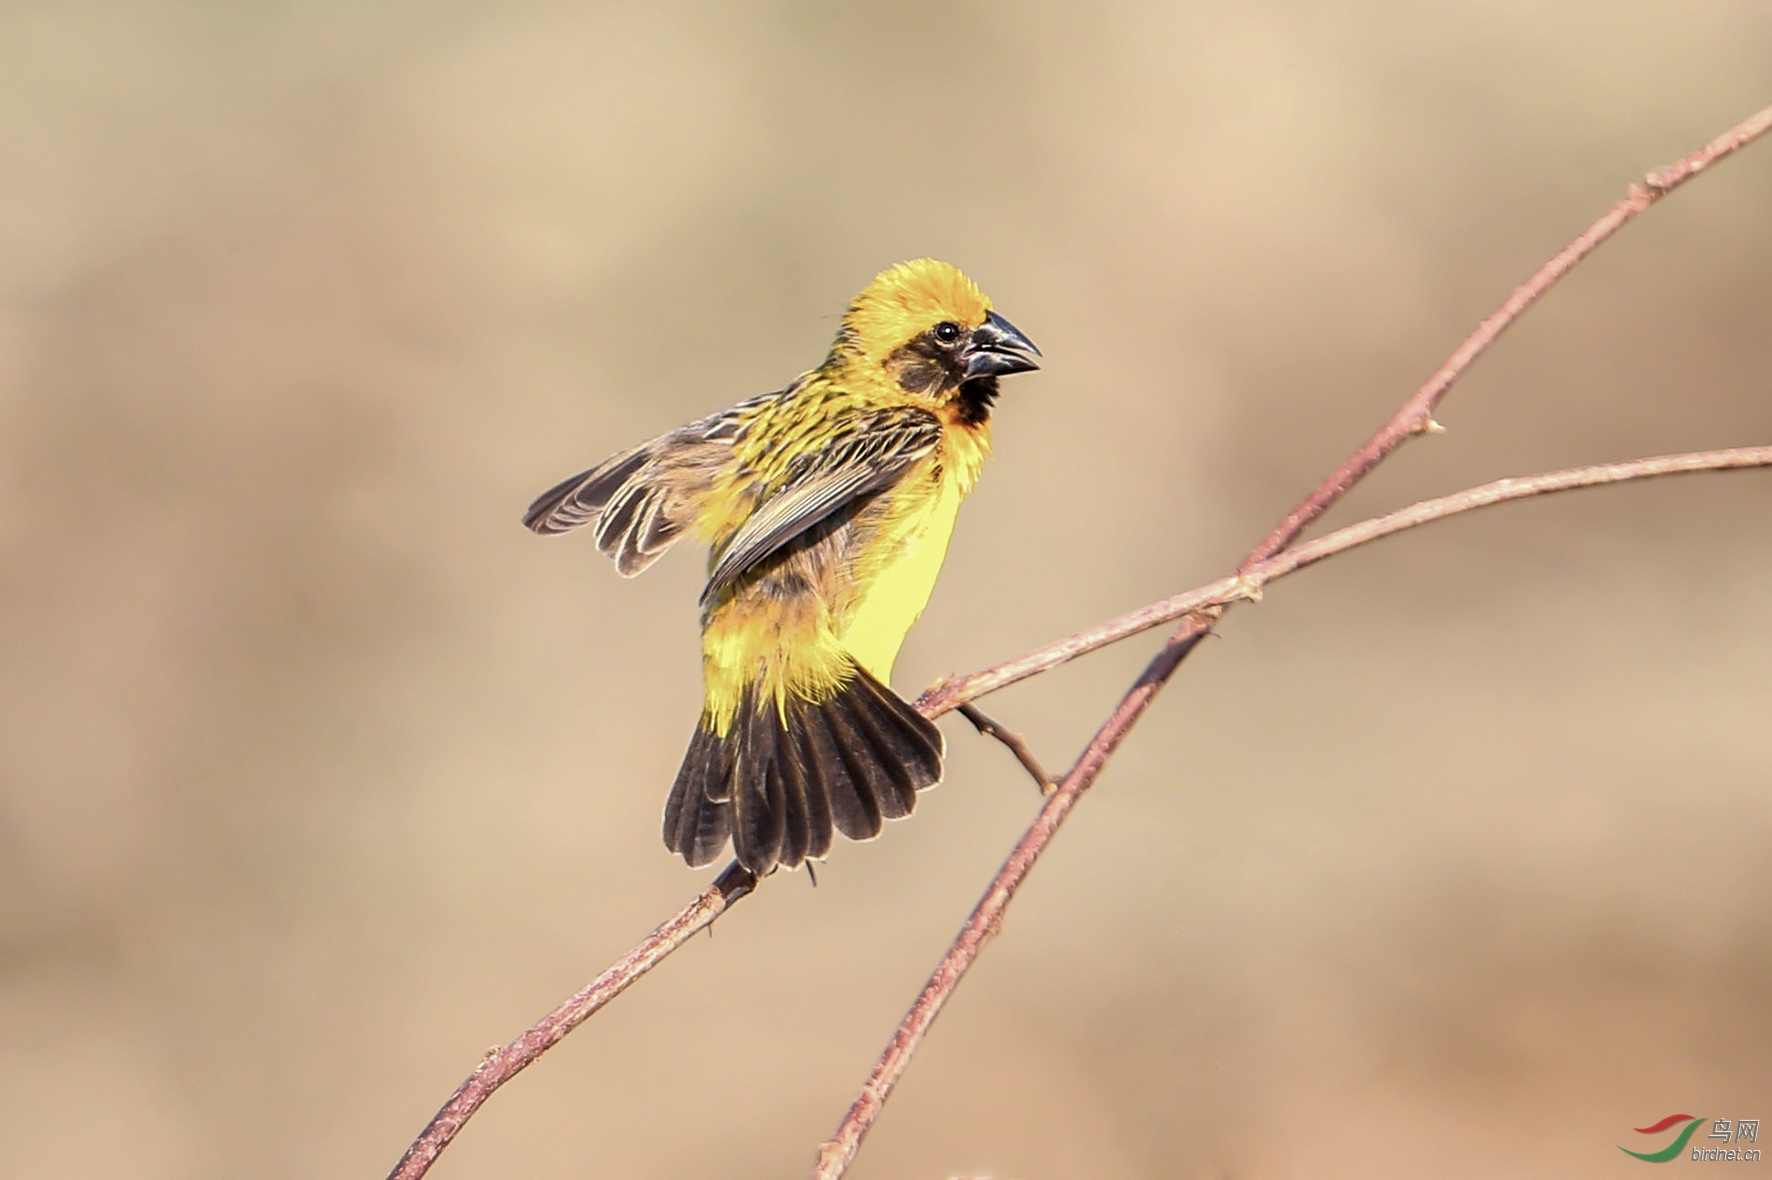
x=875 y=626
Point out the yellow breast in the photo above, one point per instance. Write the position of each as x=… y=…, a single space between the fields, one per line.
x=899 y=571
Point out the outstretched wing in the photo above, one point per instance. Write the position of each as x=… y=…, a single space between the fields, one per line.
x=643 y=499
x=580 y=500
x=869 y=455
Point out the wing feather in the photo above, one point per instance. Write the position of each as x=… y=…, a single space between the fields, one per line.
x=580 y=500
x=642 y=500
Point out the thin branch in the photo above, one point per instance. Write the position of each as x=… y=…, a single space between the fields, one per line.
x=1500 y=492
x=1201 y=606
x=733 y=884
x=954 y=691
x=990 y=727
x=1415 y=417
x=986 y=919
x=500 y=1066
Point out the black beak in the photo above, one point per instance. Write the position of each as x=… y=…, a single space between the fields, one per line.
x=998 y=348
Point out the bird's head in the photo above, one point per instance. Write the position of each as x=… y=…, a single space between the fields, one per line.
x=929 y=330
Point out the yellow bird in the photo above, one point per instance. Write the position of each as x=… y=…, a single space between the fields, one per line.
x=827 y=506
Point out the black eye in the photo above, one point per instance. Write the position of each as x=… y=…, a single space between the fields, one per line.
x=947 y=331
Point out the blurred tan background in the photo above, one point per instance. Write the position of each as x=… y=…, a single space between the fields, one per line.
x=318 y=774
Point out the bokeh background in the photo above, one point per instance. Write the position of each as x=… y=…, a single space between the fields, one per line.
x=318 y=774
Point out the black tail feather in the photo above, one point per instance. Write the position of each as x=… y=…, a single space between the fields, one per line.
x=855 y=747
x=818 y=804
x=854 y=810
x=917 y=747
x=846 y=764
x=918 y=735
x=796 y=835
x=694 y=826
x=758 y=821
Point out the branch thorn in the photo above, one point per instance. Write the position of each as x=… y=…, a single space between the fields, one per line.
x=1018 y=746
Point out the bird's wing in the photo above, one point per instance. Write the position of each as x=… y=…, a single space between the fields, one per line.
x=641 y=499
x=867 y=457
x=580 y=500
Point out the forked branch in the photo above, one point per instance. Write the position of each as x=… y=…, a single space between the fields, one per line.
x=1199 y=609
x=1414 y=418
